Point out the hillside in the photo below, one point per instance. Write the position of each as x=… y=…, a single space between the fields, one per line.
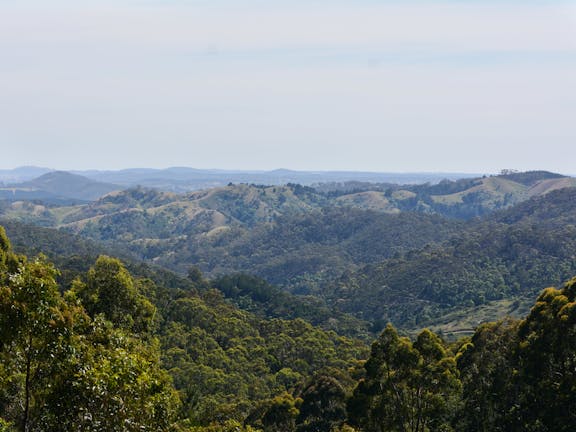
x=129 y=350
x=145 y=346
x=556 y=208
x=280 y=233
x=382 y=254
x=462 y=199
x=251 y=205
x=74 y=255
x=298 y=250
x=293 y=235
x=508 y=257
x=68 y=185
x=57 y=188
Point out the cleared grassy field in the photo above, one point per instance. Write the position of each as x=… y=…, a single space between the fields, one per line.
x=464 y=321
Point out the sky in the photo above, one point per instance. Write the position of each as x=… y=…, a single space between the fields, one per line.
x=364 y=85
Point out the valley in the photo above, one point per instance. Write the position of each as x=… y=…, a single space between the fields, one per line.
x=238 y=307
x=412 y=255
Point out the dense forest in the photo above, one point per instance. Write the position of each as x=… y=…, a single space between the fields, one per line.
x=510 y=254
x=347 y=306
x=111 y=351
x=364 y=253
x=116 y=352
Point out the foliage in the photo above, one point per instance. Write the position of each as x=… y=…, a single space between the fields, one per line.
x=62 y=371
x=409 y=268
x=110 y=290
x=132 y=347
x=408 y=386
x=486 y=364
x=547 y=361
x=228 y=362
x=522 y=376
x=323 y=407
x=257 y=296
x=486 y=262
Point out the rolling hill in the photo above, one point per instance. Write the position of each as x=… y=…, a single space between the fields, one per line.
x=407 y=253
x=509 y=256
x=67 y=185
x=57 y=188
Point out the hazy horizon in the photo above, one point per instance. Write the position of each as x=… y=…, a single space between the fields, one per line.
x=72 y=169
x=319 y=171
x=413 y=86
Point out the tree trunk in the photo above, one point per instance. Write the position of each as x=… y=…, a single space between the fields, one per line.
x=27 y=385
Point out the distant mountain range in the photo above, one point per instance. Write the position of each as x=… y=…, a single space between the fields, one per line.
x=182 y=179
x=363 y=189
x=21 y=174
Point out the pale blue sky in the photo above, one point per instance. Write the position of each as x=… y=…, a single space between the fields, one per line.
x=465 y=86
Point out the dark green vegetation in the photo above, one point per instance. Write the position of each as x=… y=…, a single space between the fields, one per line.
x=510 y=255
x=92 y=343
x=63 y=369
x=112 y=351
x=510 y=376
x=380 y=252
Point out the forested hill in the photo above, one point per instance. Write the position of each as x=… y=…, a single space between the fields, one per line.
x=250 y=205
x=115 y=352
x=57 y=187
x=380 y=252
x=554 y=208
x=281 y=233
x=298 y=231
x=510 y=255
x=296 y=250
x=74 y=255
x=460 y=199
x=122 y=350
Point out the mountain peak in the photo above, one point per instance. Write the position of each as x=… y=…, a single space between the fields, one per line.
x=68 y=185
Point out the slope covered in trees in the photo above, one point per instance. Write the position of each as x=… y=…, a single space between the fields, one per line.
x=64 y=369
x=118 y=352
x=296 y=250
x=509 y=376
x=511 y=255
x=114 y=352
x=461 y=199
x=283 y=234
x=380 y=254
x=74 y=255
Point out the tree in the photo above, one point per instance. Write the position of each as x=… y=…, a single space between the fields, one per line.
x=62 y=371
x=113 y=382
x=521 y=376
x=281 y=413
x=323 y=406
x=36 y=326
x=547 y=362
x=110 y=290
x=487 y=369
x=5 y=245
x=408 y=387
